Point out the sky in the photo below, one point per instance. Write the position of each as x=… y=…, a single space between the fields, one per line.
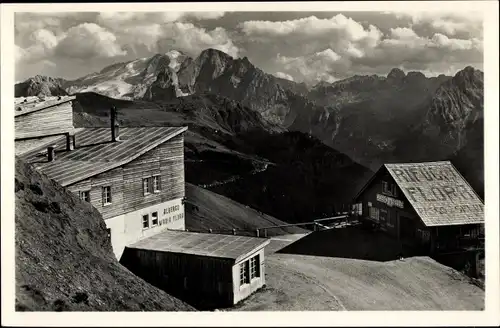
x=301 y=46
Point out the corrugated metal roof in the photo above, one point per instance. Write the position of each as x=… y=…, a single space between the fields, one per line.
x=95 y=153
x=438 y=192
x=203 y=244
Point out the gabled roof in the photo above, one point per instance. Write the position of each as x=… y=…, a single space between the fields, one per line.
x=203 y=244
x=27 y=105
x=437 y=192
x=95 y=153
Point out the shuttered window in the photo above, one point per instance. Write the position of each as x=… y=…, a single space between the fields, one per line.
x=374 y=213
x=254 y=267
x=154 y=219
x=156 y=183
x=106 y=195
x=244 y=274
x=146 y=186
x=145 y=221
x=85 y=195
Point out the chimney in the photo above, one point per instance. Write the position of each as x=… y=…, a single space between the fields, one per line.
x=115 y=129
x=70 y=141
x=51 y=155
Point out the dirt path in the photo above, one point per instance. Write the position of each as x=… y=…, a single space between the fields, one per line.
x=318 y=283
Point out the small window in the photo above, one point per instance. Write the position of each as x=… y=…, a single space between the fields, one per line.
x=156 y=183
x=146 y=186
x=154 y=219
x=374 y=213
x=106 y=195
x=254 y=267
x=108 y=230
x=244 y=278
x=145 y=221
x=85 y=195
x=394 y=190
x=385 y=187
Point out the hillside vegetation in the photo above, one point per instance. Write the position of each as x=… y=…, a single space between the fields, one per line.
x=64 y=260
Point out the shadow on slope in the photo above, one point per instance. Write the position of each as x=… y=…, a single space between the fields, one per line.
x=207 y=210
x=350 y=242
x=64 y=259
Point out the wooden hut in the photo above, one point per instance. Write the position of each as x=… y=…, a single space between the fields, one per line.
x=206 y=270
x=429 y=206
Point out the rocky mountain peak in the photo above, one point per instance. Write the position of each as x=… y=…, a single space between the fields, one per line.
x=396 y=74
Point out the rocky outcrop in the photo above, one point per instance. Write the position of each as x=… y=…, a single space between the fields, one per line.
x=40 y=86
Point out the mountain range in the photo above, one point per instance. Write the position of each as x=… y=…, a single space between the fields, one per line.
x=372 y=119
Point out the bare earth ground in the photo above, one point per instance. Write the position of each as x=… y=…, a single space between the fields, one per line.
x=332 y=279
x=302 y=282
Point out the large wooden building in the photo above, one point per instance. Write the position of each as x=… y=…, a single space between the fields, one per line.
x=207 y=270
x=133 y=176
x=428 y=206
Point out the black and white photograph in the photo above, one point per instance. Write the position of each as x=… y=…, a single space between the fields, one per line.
x=237 y=158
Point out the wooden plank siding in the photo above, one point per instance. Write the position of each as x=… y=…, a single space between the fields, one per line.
x=51 y=120
x=203 y=281
x=166 y=160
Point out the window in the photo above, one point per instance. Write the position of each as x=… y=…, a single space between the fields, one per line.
x=385 y=187
x=374 y=213
x=156 y=183
x=254 y=267
x=154 y=219
x=394 y=190
x=389 y=188
x=146 y=186
x=108 y=230
x=244 y=278
x=390 y=219
x=145 y=221
x=106 y=195
x=85 y=195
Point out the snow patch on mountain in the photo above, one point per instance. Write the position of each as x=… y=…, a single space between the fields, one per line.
x=130 y=80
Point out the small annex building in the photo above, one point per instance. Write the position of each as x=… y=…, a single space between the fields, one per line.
x=428 y=206
x=207 y=270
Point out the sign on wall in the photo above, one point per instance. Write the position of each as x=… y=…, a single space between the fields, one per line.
x=389 y=201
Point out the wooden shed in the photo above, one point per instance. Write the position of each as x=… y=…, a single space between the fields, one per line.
x=428 y=206
x=41 y=121
x=204 y=269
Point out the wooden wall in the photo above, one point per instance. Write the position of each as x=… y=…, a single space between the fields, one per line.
x=56 y=119
x=205 y=282
x=126 y=182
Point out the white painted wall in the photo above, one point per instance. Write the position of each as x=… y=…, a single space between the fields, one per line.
x=127 y=228
x=242 y=292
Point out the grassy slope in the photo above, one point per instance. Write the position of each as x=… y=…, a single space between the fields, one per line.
x=64 y=260
x=207 y=210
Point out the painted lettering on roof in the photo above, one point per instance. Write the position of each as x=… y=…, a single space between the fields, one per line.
x=438 y=192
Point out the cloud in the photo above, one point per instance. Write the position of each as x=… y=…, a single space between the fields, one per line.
x=89 y=40
x=285 y=76
x=188 y=38
x=312 y=49
x=302 y=47
x=320 y=66
x=116 y=20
